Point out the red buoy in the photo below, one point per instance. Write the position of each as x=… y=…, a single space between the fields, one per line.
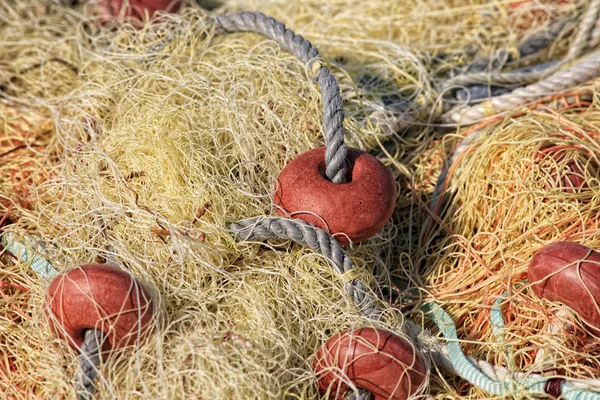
x=136 y=9
x=99 y=296
x=373 y=359
x=569 y=273
x=569 y=177
x=357 y=209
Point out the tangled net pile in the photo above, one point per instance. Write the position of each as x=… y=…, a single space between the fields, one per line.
x=113 y=152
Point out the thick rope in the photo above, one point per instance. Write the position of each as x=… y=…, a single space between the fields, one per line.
x=594 y=37
x=320 y=241
x=528 y=47
x=447 y=355
x=583 y=71
x=88 y=363
x=474 y=94
x=333 y=114
x=587 y=26
x=30 y=250
x=360 y=394
x=260 y=228
x=499 y=380
x=478 y=73
x=491 y=378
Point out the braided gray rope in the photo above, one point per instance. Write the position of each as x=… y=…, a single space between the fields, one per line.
x=587 y=27
x=304 y=51
x=360 y=394
x=477 y=70
x=530 y=46
x=88 y=363
x=577 y=74
x=594 y=37
x=508 y=79
x=260 y=228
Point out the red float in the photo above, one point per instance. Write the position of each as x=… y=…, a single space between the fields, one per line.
x=99 y=296
x=373 y=359
x=532 y=13
x=569 y=273
x=135 y=9
x=570 y=178
x=359 y=208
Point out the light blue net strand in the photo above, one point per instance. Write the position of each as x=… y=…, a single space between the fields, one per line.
x=467 y=370
x=498 y=324
x=23 y=252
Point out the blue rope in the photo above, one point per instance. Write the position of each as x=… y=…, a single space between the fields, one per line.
x=19 y=248
x=467 y=370
x=498 y=324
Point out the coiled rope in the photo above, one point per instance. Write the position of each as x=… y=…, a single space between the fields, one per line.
x=582 y=42
x=550 y=78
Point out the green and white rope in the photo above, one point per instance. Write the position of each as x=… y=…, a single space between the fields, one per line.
x=29 y=251
x=506 y=383
x=569 y=389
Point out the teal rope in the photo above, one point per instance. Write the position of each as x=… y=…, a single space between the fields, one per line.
x=18 y=248
x=467 y=370
x=498 y=323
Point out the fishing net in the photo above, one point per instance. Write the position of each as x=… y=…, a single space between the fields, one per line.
x=113 y=152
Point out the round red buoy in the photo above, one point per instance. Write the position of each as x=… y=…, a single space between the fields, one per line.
x=568 y=175
x=136 y=9
x=99 y=296
x=569 y=273
x=357 y=209
x=373 y=359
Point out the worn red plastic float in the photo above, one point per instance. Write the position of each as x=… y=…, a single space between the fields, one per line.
x=99 y=296
x=373 y=359
x=569 y=273
x=354 y=210
x=136 y=9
